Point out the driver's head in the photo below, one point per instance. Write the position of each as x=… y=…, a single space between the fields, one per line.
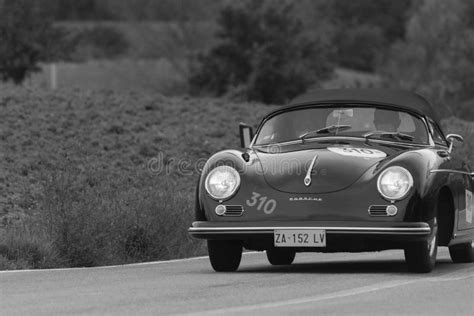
x=386 y=120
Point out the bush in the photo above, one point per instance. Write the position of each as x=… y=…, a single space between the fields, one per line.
x=28 y=37
x=25 y=246
x=263 y=53
x=98 y=218
x=94 y=218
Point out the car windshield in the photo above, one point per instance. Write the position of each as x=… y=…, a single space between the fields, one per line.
x=367 y=122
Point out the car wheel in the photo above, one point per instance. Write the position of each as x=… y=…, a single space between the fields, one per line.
x=280 y=256
x=225 y=255
x=420 y=256
x=462 y=253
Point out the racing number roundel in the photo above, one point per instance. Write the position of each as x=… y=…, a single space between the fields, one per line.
x=358 y=152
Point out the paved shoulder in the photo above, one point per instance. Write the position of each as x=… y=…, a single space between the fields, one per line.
x=330 y=283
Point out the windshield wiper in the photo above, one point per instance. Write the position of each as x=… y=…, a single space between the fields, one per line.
x=394 y=135
x=333 y=128
x=325 y=130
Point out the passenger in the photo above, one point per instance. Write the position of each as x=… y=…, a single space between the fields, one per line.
x=387 y=121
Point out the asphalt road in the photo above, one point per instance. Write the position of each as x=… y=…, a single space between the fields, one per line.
x=365 y=283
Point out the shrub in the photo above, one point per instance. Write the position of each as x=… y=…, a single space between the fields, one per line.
x=94 y=217
x=25 y=246
x=262 y=52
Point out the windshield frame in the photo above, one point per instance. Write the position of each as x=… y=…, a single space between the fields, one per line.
x=336 y=105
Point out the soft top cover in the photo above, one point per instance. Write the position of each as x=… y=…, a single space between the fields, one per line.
x=389 y=98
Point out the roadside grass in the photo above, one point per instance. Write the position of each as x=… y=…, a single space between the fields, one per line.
x=100 y=177
x=25 y=246
x=99 y=219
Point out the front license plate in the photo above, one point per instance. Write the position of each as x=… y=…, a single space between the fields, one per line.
x=299 y=238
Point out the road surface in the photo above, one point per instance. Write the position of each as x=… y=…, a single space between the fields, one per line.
x=341 y=284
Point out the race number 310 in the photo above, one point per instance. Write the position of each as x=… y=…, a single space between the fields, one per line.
x=262 y=203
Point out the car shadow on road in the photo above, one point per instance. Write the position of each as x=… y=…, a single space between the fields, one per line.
x=344 y=267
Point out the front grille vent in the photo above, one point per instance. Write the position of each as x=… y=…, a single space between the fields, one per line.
x=383 y=210
x=233 y=210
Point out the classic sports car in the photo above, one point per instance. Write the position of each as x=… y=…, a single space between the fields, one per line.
x=339 y=171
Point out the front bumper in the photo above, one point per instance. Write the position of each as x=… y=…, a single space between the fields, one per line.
x=256 y=230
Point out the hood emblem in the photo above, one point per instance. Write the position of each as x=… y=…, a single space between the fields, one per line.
x=307 y=179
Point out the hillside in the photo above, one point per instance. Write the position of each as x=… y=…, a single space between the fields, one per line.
x=79 y=161
x=109 y=178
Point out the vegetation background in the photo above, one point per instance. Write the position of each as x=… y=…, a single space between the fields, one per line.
x=145 y=86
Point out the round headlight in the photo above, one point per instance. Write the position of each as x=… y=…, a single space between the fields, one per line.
x=394 y=183
x=222 y=182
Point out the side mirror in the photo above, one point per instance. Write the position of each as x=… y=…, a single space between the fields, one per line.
x=246 y=135
x=451 y=138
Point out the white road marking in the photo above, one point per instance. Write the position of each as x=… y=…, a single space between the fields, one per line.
x=127 y=265
x=340 y=294
x=105 y=267
x=118 y=266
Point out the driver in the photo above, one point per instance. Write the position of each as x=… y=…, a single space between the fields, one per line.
x=387 y=121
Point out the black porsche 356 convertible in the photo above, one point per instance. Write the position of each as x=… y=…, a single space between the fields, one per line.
x=339 y=171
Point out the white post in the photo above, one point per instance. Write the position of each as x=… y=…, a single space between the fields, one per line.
x=54 y=76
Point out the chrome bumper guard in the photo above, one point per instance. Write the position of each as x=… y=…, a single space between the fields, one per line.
x=241 y=228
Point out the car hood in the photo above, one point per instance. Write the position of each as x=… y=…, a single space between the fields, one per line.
x=334 y=168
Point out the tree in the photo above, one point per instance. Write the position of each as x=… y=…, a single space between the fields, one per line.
x=262 y=53
x=161 y=10
x=437 y=56
x=364 y=28
x=360 y=46
x=82 y=10
x=27 y=37
x=388 y=15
